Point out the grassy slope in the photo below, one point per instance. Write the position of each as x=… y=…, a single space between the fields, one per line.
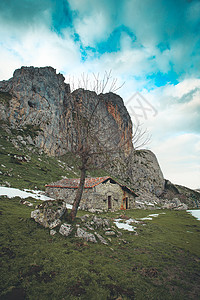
x=160 y=263
x=40 y=170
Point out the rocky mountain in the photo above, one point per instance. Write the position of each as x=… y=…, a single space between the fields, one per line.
x=39 y=100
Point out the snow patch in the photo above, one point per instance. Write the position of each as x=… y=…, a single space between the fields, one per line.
x=12 y=192
x=68 y=206
x=146 y=218
x=154 y=215
x=195 y=213
x=125 y=225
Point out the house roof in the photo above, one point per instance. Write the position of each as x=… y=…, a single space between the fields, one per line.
x=73 y=183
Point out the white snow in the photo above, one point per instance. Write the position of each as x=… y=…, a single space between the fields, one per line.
x=39 y=195
x=125 y=225
x=195 y=213
x=69 y=206
x=154 y=215
x=146 y=218
x=12 y=192
x=151 y=216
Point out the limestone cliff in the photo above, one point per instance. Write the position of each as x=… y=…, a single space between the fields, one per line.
x=40 y=98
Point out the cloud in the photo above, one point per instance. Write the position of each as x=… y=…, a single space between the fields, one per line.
x=179 y=157
x=152 y=45
x=175 y=130
x=24 y=13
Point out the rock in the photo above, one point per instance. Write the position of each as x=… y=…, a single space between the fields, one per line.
x=84 y=218
x=41 y=103
x=29 y=140
x=55 y=224
x=48 y=213
x=99 y=222
x=92 y=210
x=182 y=206
x=27 y=203
x=119 y=233
x=52 y=232
x=110 y=233
x=65 y=229
x=102 y=240
x=35 y=213
x=89 y=237
x=89 y=227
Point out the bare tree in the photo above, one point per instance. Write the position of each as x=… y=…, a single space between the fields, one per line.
x=89 y=141
x=140 y=137
x=96 y=82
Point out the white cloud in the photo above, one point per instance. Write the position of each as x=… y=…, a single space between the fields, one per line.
x=91 y=29
x=179 y=157
x=38 y=47
x=174 y=140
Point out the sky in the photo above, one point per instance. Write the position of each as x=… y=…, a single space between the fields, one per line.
x=152 y=46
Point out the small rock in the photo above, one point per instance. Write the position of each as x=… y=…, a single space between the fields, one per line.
x=89 y=227
x=92 y=210
x=27 y=203
x=55 y=224
x=183 y=206
x=35 y=213
x=52 y=232
x=110 y=233
x=65 y=229
x=89 y=237
x=102 y=240
x=84 y=218
x=119 y=233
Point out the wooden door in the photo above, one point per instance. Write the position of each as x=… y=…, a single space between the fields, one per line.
x=109 y=202
x=126 y=203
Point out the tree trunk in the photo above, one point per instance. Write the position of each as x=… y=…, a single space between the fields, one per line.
x=79 y=193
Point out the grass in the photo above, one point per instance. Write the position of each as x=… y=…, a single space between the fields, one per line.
x=160 y=263
x=40 y=169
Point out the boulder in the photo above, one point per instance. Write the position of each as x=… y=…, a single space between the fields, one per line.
x=49 y=213
x=65 y=229
x=89 y=237
x=102 y=240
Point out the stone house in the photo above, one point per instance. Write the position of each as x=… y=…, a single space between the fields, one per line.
x=100 y=193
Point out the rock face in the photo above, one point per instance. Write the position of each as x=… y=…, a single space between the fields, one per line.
x=145 y=173
x=39 y=101
x=38 y=97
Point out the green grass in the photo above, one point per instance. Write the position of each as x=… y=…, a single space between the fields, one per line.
x=40 y=169
x=162 y=262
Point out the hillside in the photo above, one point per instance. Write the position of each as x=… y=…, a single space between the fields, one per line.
x=160 y=262
x=24 y=166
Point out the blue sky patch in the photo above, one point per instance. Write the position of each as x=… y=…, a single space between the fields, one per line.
x=62 y=16
x=160 y=79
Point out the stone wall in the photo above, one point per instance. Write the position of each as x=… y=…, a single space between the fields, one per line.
x=96 y=197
